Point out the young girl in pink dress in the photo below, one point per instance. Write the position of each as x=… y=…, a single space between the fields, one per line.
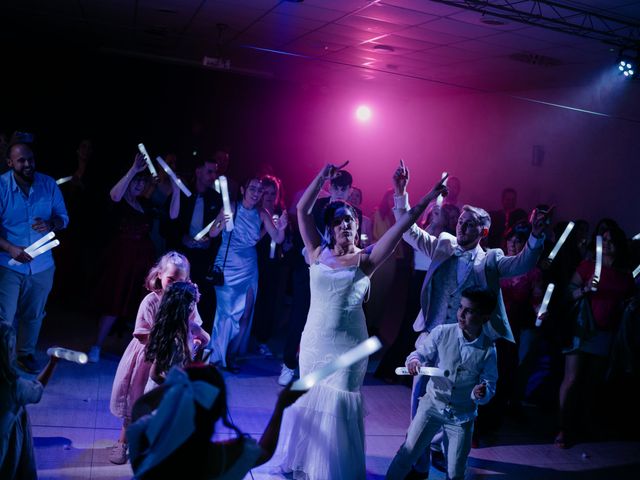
x=133 y=370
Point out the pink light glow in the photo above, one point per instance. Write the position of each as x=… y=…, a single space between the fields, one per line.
x=363 y=113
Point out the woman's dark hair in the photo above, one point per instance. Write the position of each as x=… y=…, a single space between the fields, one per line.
x=329 y=214
x=168 y=340
x=619 y=240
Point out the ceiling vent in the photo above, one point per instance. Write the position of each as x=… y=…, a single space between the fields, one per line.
x=535 y=59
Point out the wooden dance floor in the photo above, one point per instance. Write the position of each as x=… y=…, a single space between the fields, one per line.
x=73 y=428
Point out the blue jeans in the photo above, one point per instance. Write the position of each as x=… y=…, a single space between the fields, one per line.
x=22 y=301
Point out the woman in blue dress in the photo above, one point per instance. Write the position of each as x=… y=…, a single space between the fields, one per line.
x=236 y=298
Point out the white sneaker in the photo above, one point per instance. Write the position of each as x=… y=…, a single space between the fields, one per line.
x=118 y=453
x=286 y=375
x=94 y=354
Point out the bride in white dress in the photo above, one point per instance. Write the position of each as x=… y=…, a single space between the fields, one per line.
x=325 y=439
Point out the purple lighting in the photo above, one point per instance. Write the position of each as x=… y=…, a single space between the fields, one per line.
x=363 y=113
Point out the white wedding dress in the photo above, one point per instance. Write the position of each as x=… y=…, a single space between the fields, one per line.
x=325 y=435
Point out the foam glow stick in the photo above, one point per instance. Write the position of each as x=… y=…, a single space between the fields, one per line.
x=173 y=176
x=361 y=351
x=62 y=180
x=636 y=272
x=38 y=251
x=428 y=371
x=636 y=237
x=545 y=303
x=216 y=185
x=203 y=232
x=147 y=159
x=561 y=240
x=272 y=247
x=70 y=355
x=598 y=270
x=440 y=198
x=34 y=246
x=226 y=203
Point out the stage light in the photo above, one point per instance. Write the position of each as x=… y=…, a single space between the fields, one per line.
x=363 y=113
x=627 y=65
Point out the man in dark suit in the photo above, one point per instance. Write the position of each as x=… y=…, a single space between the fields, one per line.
x=196 y=212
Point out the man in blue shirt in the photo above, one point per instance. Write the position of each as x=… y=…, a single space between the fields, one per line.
x=31 y=205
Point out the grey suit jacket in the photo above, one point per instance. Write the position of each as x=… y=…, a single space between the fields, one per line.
x=488 y=267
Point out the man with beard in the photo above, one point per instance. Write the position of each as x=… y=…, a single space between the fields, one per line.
x=31 y=206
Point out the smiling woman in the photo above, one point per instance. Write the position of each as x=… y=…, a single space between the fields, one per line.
x=237 y=258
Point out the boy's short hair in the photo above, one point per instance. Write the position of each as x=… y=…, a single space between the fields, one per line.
x=342 y=179
x=484 y=300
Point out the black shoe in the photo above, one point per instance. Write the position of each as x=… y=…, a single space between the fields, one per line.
x=29 y=364
x=438 y=461
x=415 y=475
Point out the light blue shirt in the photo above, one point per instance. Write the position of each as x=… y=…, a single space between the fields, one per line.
x=17 y=214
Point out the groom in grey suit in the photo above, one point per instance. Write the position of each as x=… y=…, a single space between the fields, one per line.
x=458 y=263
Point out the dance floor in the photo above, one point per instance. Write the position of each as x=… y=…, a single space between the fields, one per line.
x=73 y=428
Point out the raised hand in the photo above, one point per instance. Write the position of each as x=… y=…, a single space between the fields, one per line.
x=540 y=219
x=139 y=163
x=401 y=179
x=438 y=189
x=329 y=171
x=283 y=221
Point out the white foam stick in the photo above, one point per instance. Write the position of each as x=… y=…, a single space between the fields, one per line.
x=34 y=246
x=440 y=198
x=41 y=241
x=173 y=176
x=428 y=371
x=38 y=251
x=203 y=232
x=636 y=272
x=636 y=237
x=272 y=247
x=216 y=185
x=226 y=203
x=361 y=351
x=545 y=303
x=147 y=159
x=598 y=270
x=62 y=180
x=561 y=240
x=70 y=355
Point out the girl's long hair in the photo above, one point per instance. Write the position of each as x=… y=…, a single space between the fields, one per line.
x=168 y=341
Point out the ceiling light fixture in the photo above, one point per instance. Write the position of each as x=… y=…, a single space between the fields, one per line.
x=627 y=64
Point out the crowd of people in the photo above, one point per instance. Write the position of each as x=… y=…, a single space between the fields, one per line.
x=221 y=282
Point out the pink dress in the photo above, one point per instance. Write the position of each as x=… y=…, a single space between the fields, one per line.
x=133 y=370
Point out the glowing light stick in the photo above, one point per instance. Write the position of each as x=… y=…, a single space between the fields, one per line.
x=147 y=159
x=200 y=235
x=70 y=355
x=636 y=272
x=216 y=185
x=636 y=237
x=440 y=198
x=31 y=249
x=361 y=351
x=272 y=247
x=598 y=270
x=561 y=240
x=226 y=203
x=545 y=303
x=62 y=180
x=173 y=176
x=428 y=371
